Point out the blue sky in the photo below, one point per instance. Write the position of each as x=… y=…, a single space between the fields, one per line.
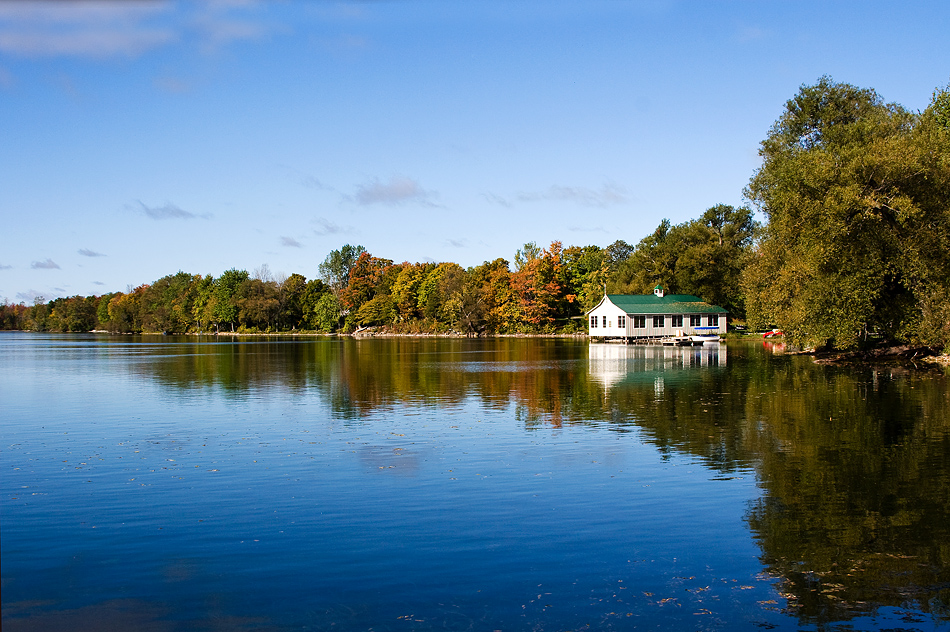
x=142 y=138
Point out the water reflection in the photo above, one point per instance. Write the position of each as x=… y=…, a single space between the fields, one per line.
x=611 y=364
x=853 y=464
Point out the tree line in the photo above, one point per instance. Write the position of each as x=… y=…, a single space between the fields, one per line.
x=855 y=194
x=542 y=290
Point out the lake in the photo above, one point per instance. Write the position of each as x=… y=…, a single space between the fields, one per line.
x=163 y=483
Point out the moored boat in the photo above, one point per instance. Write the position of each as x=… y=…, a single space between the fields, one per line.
x=705 y=334
x=677 y=341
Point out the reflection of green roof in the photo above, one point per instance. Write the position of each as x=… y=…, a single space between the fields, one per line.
x=669 y=304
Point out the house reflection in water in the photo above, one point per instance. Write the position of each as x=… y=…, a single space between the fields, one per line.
x=612 y=364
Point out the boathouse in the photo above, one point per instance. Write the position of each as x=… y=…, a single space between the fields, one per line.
x=651 y=316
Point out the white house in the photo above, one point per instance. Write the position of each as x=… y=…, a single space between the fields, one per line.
x=657 y=315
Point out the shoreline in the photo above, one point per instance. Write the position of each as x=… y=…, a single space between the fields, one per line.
x=891 y=354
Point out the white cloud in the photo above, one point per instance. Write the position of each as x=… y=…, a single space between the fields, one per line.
x=90 y=253
x=399 y=190
x=49 y=264
x=290 y=242
x=5 y=267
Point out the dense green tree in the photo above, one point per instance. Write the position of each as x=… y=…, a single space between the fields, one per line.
x=72 y=314
x=258 y=304
x=314 y=305
x=324 y=314
x=703 y=257
x=585 y=272
x=203 y=305
x=713 y=252
x=102 y=312
x=166 y=304
x=527 y=253
x=499 y=312
x=379 y=310
x=616 y=253
x=406 y=289
x=653 y=261
x=291 y=295
x=855 y=192
x=125 y=310
x=225 y=305
x=335 y=269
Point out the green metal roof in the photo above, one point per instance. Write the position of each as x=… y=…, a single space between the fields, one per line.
x=669 y=304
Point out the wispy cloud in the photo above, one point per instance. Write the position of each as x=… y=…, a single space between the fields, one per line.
x=100 y=28
x=90 y=253
x=224 y=22
x=6 y=78
x=30 y=295
x=496 y=199
x=587 y=229
x=169 y=211
x=346 y=44
x=4 y=267
x=399 y=190
x=172 y=85
x=752 y=32
x=98 y=283
x=457 y=243
x=314 y=183
x=326 y=227
x=87 y=29
x=49 y=264
x=607 y=195
x=290 y=242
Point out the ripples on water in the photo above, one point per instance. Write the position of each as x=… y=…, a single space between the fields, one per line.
x=413 y=484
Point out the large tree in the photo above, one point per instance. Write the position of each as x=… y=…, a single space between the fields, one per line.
x=335 y=269
x=856 y=194
x=703 y=257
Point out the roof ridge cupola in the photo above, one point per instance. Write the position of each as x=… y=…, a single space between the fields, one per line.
x=658 y=290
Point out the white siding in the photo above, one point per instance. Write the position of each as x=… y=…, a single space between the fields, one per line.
x=609 y=313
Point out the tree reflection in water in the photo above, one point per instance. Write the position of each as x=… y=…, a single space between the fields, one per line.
x=853 y=462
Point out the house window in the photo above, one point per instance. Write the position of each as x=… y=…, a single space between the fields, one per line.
x=622 y=322
x=593 y=322
x=658 y=321
x=676 y=321
x=712 y=320
x=695 y=320
x=605 y=320
x=639 y=322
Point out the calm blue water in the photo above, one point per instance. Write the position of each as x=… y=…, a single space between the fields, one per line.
x=182 y=484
